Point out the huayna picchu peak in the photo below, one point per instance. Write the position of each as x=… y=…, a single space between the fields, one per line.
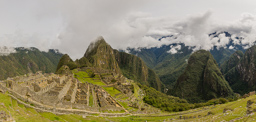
x=101 y=55
x=202 y=79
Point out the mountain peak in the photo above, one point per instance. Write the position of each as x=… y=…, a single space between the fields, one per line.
x=202 y=79
x=94 y=44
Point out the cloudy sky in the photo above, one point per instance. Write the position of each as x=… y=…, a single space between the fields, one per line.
x=70 y=25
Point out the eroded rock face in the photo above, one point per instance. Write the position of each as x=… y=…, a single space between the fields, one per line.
x=246 y=66
x=202 y=79
x=101 y=55
x=242 y=77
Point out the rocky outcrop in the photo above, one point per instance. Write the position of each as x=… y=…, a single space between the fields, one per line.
x=101 y=55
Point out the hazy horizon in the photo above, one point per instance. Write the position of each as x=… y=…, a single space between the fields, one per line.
x=70 y=26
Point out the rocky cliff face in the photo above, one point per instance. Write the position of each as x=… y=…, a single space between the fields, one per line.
x=101 y=55
x=202 y=79
x=242 y=77
x=134 y=68
x=246 y=66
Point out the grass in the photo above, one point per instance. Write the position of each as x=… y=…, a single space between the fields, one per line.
x=109 y=111
x=91 y=100
x=52 y=117
x=111 y=90
x=22 y=114
x=136 y=90
x=84 y=77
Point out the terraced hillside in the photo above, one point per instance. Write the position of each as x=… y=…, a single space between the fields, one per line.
x=90 y=91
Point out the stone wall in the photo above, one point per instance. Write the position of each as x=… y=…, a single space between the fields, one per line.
x=65 y=89
x=3 y=89
x=73 y=96
x=47 y=88
x=44 y=103
x=110 y=108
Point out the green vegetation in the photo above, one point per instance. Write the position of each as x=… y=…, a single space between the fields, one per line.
x=101 y=55
x=163 y=101
x=231 y=62
x=134 y=68
x=83 y=77
x=239 y=71
x=167 y=66
x=233 y=110
x=91 y=100
x=111 y=90
x=170 y=66
x=202 y=79
x=28 y=60
x=174 y=104
x=66 y=60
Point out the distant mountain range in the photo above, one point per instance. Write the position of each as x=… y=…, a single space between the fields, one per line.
x=169 y=66
x=20 y=61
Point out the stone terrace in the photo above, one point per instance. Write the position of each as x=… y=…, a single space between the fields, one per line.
x=51 y=92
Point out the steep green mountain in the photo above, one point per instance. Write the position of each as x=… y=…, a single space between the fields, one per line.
x=170 y=66
x=202 y=79
x=28 y=60
x=242 y=76
x=134 y=68
x=228 y=68
x=222 y=54
x=231 y=62
x=167 y=66
x=101 y=55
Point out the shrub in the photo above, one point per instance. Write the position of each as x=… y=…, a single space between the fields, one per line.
x=92 y=75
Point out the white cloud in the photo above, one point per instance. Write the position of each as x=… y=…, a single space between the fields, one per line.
x=174 y=49
x=4 y=51
x=70 y=26
x=231 y=47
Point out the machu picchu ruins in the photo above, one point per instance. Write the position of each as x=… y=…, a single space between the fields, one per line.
x=65 y=94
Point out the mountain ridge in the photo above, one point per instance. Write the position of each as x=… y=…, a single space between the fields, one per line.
x=28 y=60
